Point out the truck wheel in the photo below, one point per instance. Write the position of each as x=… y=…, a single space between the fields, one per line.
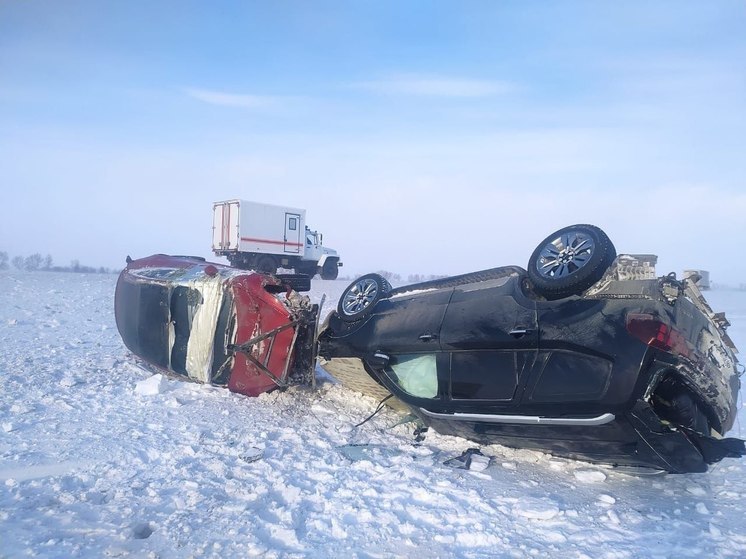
x=266 y=264
x=241 y=263
x=298 y=282
x=235 y=261
x=570 y=260
x=361 y=296
x=330 y=270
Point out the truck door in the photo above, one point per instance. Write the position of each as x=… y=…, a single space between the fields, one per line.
x=292 y=233
x=225 y=226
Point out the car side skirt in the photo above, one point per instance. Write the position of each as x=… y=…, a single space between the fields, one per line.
x=523 y=419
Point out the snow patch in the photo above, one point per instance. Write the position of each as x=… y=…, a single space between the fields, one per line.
x=696 y=490
x=536 y=509
x=606 y=499
x=156 y=384
x=589 y=476
x=25 y=473
x=93 y=466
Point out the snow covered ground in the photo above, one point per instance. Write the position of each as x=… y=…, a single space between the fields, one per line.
x=98 y=458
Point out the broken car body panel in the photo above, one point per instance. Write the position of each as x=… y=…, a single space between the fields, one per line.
x=215 y=324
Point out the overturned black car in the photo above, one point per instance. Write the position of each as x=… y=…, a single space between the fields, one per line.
x=585 y=355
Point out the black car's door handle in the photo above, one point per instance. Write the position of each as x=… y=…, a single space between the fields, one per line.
x=428 y=337
x=519 y=332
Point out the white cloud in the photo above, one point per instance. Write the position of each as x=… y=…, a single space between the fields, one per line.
x=436 y=86
x=224 y=99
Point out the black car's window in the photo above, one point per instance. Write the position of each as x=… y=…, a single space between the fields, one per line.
x=570 y=376
x=483 y=375
x=415 y=374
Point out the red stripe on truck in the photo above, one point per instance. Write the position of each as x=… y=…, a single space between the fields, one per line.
x=270 y=242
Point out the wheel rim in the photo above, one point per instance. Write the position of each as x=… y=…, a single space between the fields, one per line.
x=565 y=255
x=359 y=296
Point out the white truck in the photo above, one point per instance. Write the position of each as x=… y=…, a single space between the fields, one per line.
x=264 y=237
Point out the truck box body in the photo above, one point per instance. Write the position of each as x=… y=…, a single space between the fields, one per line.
x=265 y=237
x=253 y=227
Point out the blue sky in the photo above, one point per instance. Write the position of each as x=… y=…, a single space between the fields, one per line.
x=422 y=137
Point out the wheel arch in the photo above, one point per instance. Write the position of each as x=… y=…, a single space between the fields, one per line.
x=325 y=257
x=668 y=380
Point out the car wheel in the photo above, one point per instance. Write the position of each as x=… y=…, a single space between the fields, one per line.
x=330 y=270
x=570 y=260
x=266 y=264
x=689 y=414
x=676 y=405
x=361 y=296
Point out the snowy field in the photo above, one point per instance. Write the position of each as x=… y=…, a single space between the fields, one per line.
x=99 y=459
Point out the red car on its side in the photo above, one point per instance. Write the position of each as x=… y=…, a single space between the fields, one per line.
x=250 y=331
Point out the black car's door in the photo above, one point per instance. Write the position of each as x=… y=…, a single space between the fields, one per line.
x=406 y=329
x=490 y=333
x=577 y=342
x=407 y=323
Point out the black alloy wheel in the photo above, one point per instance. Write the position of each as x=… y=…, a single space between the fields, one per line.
x=361 y=296
x=570 y=260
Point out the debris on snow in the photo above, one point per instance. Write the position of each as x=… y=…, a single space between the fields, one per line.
x=470 y=459
x=252 y=454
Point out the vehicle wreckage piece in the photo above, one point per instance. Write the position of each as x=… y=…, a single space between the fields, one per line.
x=582 y=355
x=249 y=331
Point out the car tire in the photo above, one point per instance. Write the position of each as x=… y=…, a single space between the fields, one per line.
x=570 y=260
x=689 y=414
x=359 y=298
x=678 y=406
x=330 y=270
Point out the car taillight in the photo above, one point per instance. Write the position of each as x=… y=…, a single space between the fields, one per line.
x=652 y=331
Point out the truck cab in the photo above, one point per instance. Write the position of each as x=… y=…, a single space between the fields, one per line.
x=326 y=259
